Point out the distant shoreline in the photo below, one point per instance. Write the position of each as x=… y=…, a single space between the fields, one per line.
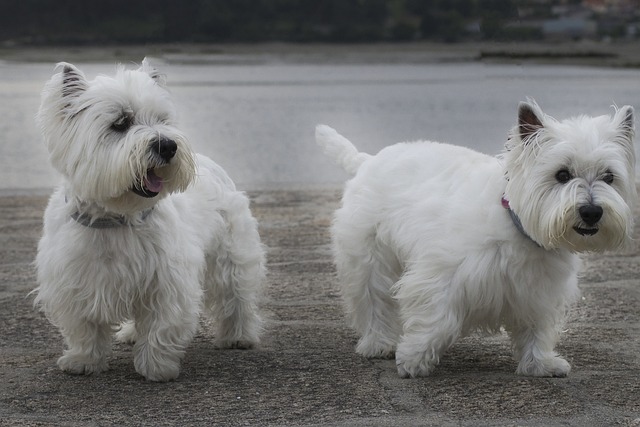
x=624 y=54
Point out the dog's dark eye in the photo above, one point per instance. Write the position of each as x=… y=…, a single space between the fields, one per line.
x=122 y=124
x=608 y=177
x=563 y=176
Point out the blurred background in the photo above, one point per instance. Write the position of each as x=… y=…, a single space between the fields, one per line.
x=252 y=78
x=174 y=21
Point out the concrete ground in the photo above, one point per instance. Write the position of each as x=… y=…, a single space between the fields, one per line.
x=306 y=372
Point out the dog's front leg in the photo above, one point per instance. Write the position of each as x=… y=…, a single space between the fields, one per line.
x=88 y=345
x=161 y=339
x=533 y=347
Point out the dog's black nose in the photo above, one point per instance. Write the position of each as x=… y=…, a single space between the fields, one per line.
x=590 y=214
x=165 y=148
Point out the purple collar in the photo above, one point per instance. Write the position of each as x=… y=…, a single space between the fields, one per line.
x=516 y=221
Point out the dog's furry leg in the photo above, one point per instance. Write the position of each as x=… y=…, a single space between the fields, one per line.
x=127 y=333
x=534 y=325
x=166 y=321
x=431 y=321
x=367 y=273
x=234 y=279
x=88 y=344
x=533 y=347
x=161 y=340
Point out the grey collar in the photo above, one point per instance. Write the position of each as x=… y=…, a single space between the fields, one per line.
x=516 y=220
x=111 y=221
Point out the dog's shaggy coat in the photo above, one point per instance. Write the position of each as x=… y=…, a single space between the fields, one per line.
x=142 y=231
x=433 y=241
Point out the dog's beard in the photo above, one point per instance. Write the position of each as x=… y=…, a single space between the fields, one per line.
x=550 y=213
x=566 y=229
x=126 y=176
x=155 y=178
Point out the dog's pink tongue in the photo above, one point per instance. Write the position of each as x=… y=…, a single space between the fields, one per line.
x=153 y=182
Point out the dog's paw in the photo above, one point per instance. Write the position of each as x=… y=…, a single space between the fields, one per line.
x=242 y=339
x=167 y=373
x=153 y=373
x=158 y=369
x=415 y=367
x=554 y=366
x=375 y=351
x=81 y=365
x=127 y=333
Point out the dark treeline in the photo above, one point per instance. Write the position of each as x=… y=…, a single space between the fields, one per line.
x=142 y=21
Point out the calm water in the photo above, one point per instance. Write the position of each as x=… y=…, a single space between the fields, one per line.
x=257 y=119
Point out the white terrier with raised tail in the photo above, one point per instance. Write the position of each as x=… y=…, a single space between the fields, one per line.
x=433 y=241
x=142 y=232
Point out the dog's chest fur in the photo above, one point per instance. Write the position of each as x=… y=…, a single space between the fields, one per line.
x=122 y=265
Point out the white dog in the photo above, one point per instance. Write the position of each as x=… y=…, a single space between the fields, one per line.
x=433 y=241
x=142 y=229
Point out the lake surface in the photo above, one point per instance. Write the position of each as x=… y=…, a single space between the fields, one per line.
x=256 y=118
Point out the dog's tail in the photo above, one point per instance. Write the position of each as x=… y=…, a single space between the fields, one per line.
x=340 y=149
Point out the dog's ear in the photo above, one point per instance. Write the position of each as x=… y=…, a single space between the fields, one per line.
x=529 y=120
x=624 y=116
x=156 y=75
x=73 y=80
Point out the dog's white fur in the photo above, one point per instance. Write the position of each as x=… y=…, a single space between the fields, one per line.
x=426 y=252
x=193 y=244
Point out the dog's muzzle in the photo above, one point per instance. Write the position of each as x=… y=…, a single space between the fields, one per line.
x=590 y=215
x=151 y=184
x=165 y=148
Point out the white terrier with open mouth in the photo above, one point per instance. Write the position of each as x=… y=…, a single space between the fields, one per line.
x=142 y=232
x=433 y=241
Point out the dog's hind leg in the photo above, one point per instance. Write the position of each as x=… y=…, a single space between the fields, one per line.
x=127 y=333
x=431 y=322
x=367 y=270
x=234 y=279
